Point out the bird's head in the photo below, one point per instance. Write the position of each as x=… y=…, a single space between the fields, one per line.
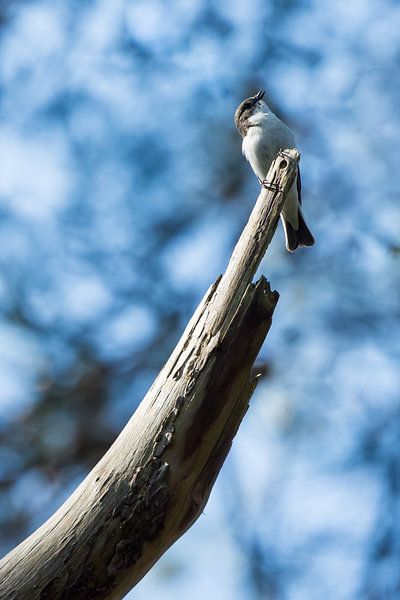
x=247 y=109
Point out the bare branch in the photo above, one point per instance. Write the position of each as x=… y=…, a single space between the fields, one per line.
x=156 y=478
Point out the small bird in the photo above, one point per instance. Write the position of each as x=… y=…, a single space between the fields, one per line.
x=263 y=136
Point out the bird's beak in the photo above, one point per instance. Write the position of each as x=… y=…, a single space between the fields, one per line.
x=259 y=96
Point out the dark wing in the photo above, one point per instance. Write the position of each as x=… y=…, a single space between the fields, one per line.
x=298 y=185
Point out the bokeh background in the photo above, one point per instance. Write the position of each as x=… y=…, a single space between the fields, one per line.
x=122 y=193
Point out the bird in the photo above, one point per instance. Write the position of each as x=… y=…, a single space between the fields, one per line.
x=264 y=134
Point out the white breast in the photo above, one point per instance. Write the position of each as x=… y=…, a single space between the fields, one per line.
x=264 y=140
x=257 y=152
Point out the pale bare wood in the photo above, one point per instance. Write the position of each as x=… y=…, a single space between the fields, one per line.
x=156 y=478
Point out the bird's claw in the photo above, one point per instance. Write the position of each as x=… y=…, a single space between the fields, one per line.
x=268 y=185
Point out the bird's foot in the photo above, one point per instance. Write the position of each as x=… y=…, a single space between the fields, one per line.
x=268 y=185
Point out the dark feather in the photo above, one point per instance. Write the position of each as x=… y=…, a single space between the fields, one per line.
x=300 y=237
x=298 y=182
x=244 y=111
x=305 y=236
x=292 y=237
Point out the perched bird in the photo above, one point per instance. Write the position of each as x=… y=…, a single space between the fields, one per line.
x=263 y=136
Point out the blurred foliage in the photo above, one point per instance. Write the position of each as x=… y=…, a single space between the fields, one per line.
x=122 y=192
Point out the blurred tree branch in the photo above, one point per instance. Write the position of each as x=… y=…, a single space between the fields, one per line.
x=155 y=480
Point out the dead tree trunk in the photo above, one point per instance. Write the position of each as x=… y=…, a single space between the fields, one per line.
x=156 y=478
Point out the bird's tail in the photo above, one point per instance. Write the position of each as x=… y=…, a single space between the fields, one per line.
x=297 y=237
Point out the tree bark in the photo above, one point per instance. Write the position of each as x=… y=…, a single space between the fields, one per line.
x=156 y=478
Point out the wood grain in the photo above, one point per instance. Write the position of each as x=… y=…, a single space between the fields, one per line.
x=156 y=478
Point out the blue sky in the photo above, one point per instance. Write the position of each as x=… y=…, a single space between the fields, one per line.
x=122 y=193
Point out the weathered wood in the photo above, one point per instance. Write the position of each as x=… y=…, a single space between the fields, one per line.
x=156 y=478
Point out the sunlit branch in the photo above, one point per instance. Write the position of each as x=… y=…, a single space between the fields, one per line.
x=155 y=480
